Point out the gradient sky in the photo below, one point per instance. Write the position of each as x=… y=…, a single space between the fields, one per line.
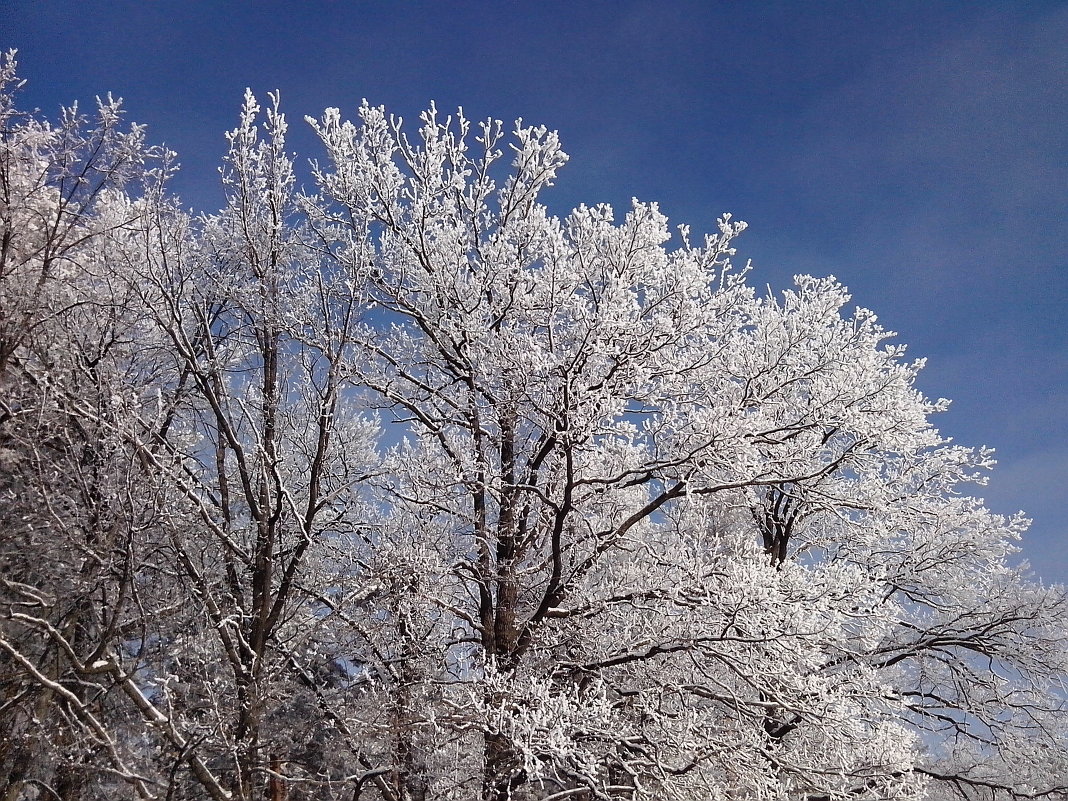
x=916 y=150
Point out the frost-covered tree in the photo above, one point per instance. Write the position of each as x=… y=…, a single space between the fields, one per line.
x=71 y=506
x=405 y=489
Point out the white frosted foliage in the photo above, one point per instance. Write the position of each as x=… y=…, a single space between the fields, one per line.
x=400 y=487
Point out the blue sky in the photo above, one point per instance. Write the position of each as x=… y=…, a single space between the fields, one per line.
x=916 y=150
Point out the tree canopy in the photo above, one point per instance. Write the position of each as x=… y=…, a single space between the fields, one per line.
x=398 y=487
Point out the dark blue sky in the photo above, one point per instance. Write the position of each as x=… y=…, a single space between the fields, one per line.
x=916 y=150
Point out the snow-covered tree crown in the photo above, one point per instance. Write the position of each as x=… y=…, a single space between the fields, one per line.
x=403 y=488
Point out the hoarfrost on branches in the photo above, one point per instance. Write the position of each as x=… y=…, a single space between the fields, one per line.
x=402 y=488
